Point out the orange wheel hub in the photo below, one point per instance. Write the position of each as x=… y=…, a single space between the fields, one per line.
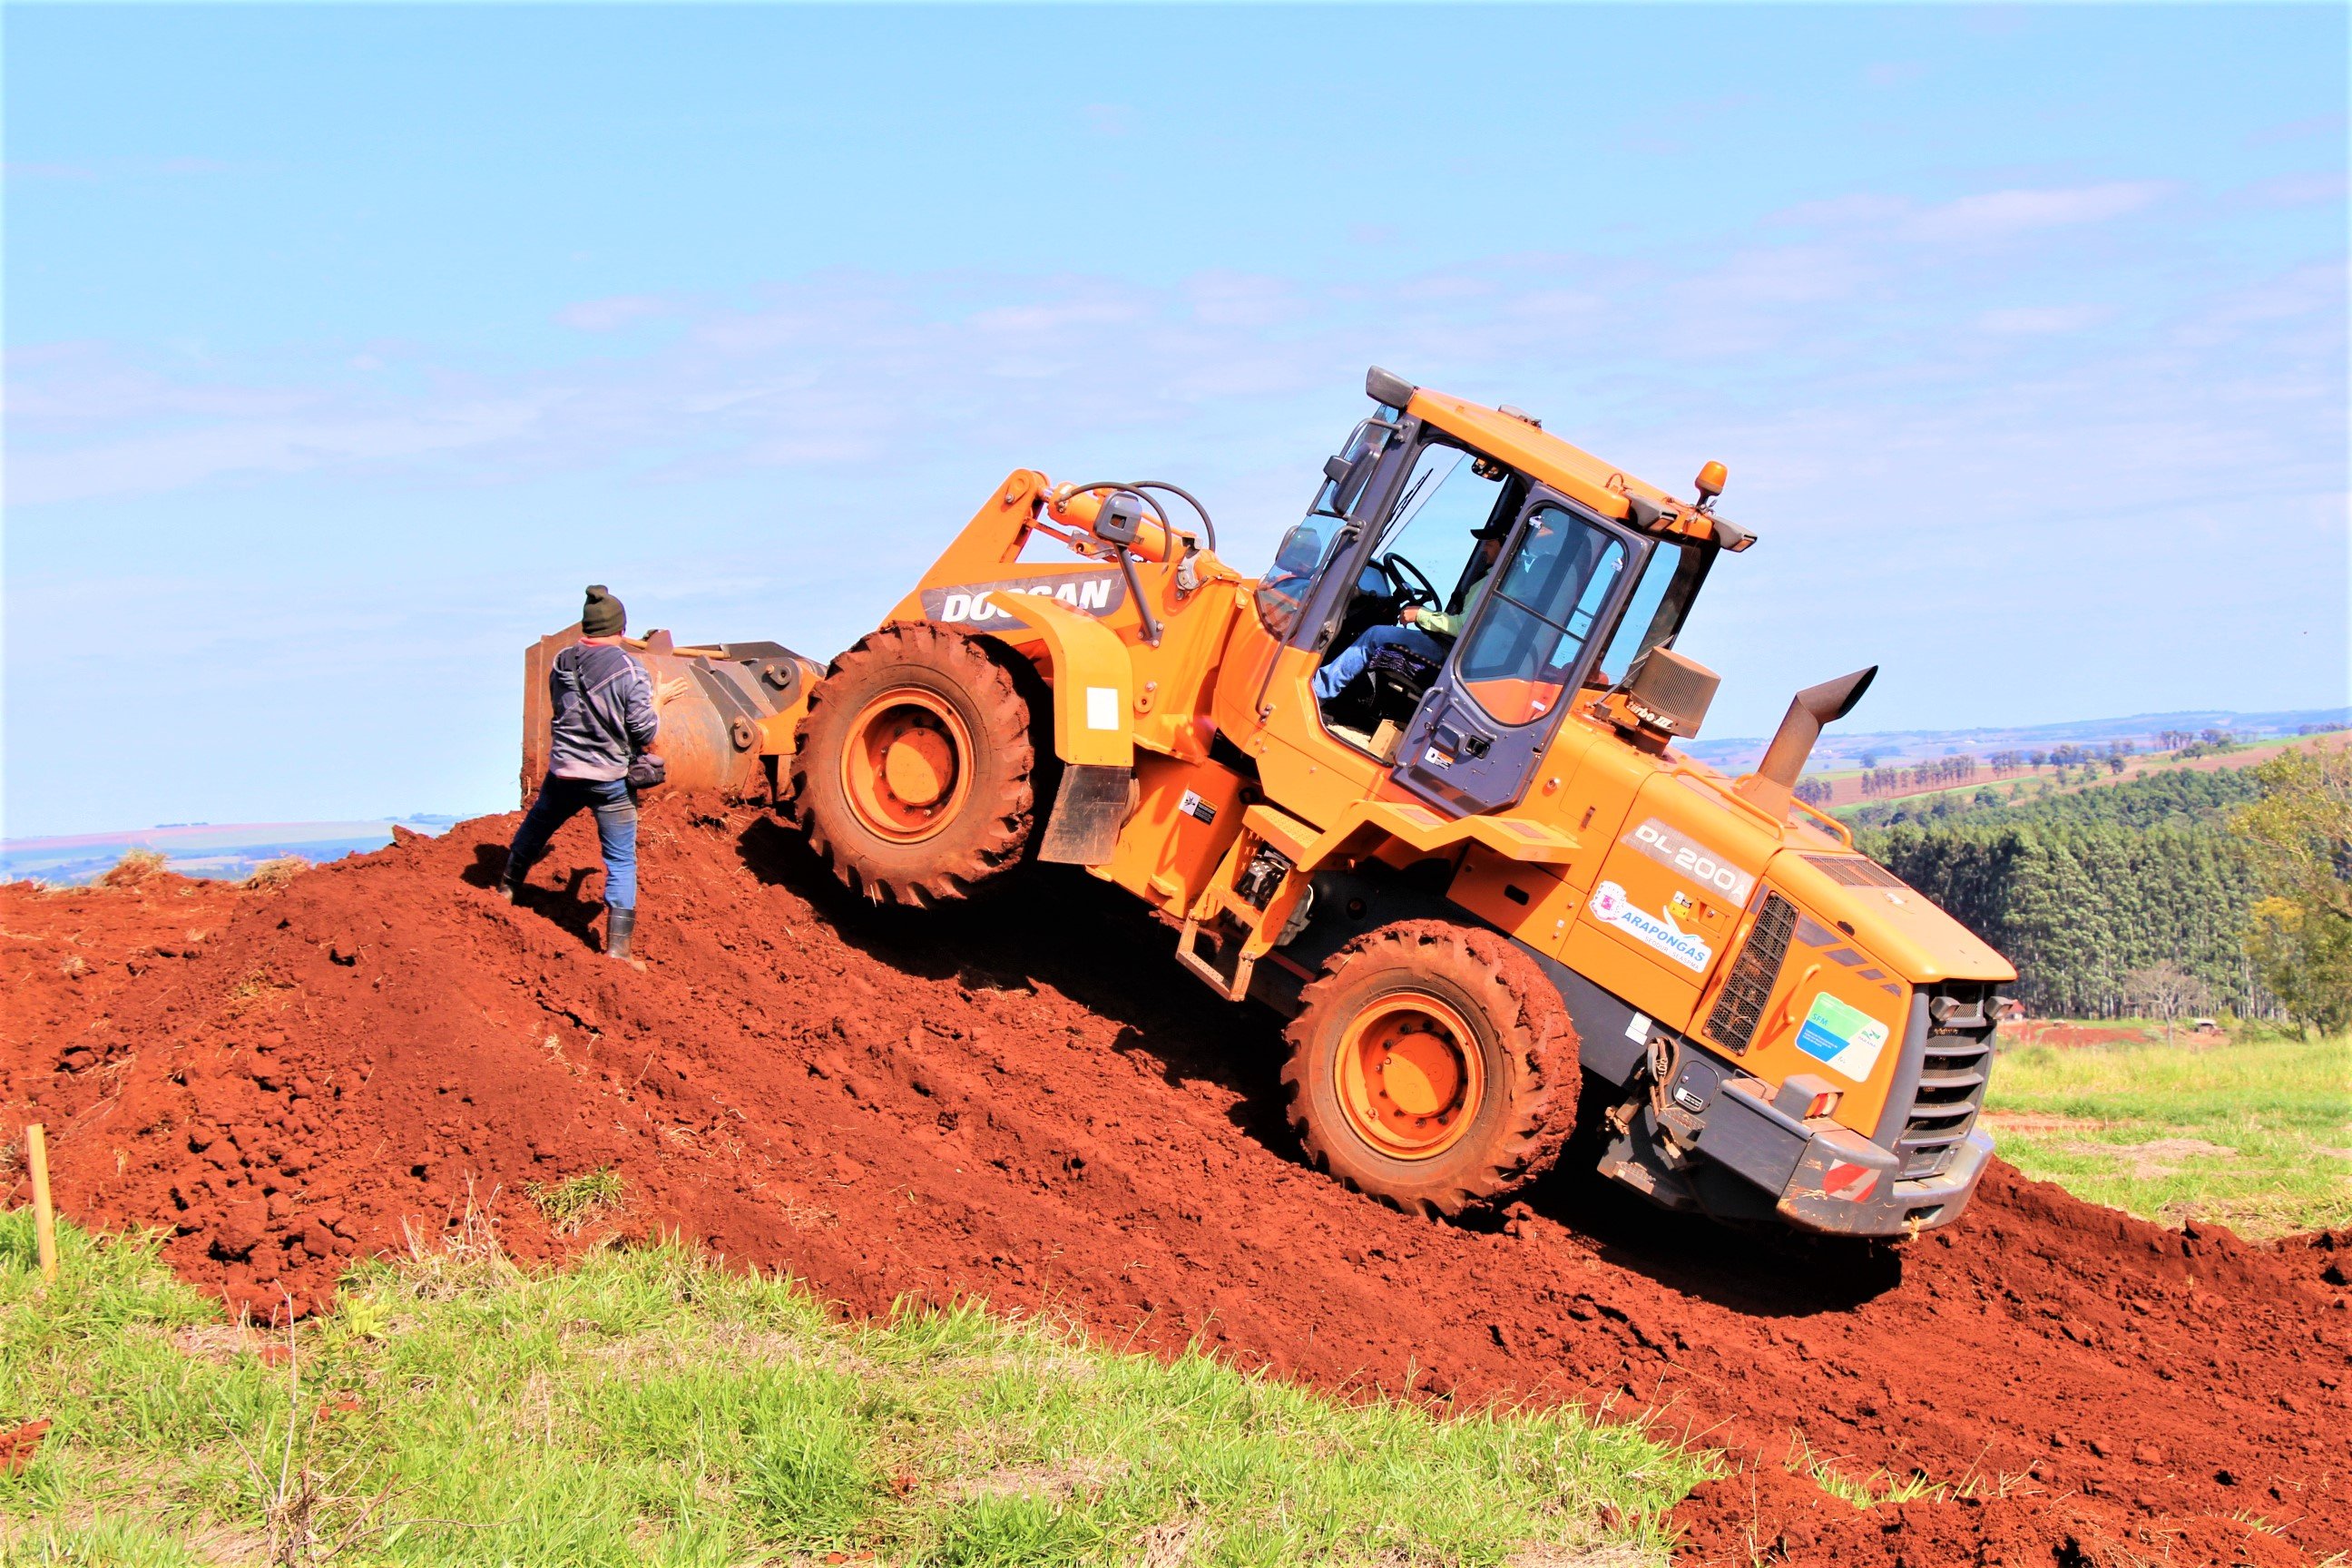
x=908 y=764
x=1410 y=1076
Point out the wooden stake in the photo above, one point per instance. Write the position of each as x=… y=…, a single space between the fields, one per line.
x=45 y=1217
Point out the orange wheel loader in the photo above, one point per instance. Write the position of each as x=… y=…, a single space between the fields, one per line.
x=1415 y=787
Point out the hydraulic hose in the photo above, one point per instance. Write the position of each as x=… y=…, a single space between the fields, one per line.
x=1208 y=528
x=1141 y=488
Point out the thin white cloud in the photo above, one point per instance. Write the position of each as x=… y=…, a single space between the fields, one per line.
x=1901 y=348
x=2303 y=190
x=2042 y=320
x=147 y=463
x=126 y=168
x=2001 y=214
x=620 y=311
x=2298 y=130
x=1983 y=217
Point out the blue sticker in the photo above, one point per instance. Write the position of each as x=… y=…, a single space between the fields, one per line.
x=1845 y=1038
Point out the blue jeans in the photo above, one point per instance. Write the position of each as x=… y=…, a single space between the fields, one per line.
x=1333 y=678
x=616 y=830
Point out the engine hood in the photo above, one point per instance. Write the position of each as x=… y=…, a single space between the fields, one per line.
x=1901 y=926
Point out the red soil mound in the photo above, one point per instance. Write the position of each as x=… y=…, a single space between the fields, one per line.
x=1026 y=1100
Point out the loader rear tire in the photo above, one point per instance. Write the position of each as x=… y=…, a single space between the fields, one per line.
x=1433 y=1067
x=914 y=772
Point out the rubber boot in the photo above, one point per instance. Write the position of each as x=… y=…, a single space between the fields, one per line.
x=510 y=879
x=619 y=926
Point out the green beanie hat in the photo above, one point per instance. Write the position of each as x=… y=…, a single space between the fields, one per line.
x=603 y=615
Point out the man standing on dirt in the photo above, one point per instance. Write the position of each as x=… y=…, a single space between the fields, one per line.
x=604 y=721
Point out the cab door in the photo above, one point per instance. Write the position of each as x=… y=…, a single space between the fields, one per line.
x=1473 y=743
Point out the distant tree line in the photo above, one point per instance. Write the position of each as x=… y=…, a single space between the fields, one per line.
x=2086 y=892
x=2088 y=758
x=2185 y=745
x=1937 y=772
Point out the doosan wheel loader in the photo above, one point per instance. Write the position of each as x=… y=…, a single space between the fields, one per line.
x=1416 y=786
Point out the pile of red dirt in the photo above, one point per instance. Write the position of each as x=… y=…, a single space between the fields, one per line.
x=1026 y=1099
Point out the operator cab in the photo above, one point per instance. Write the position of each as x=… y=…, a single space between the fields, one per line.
x=1396 y=629
x=1454 y=603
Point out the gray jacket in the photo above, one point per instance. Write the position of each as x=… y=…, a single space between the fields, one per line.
x=604 y=703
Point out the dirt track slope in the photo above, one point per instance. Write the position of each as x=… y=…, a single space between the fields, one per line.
x=1026 y=1100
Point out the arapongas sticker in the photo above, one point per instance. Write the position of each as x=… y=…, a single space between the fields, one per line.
x=1845 y=1038
x=1611 y=907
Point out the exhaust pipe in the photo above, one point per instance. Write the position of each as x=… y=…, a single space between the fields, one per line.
x=1773 y=785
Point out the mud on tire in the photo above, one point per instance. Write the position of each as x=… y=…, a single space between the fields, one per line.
x=914 y=774
x=1364 y=1074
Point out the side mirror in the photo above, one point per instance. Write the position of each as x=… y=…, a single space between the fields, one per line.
x=1300 y=552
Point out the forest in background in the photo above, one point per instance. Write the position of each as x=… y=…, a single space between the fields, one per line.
x=2089 y=893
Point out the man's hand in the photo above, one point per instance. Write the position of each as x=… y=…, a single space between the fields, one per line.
x=1409 y=614
x=671 y=690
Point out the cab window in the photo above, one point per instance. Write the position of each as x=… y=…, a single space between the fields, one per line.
x=1654 y=614
x=1298 y=563
x=1521 y=651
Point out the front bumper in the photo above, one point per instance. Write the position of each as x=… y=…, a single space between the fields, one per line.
x=1845 y=1185
x=1747 y=1157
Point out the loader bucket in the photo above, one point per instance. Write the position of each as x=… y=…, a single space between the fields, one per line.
x=727 y=725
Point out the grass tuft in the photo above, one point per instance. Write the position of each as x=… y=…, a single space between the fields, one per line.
x=1879 y=1488
x=277 y=871
x=136 y=865
x=572 y=1205
x=645 y=1406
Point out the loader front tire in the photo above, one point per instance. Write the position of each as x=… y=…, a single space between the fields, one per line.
x=914 y=771
x=1431 y=1066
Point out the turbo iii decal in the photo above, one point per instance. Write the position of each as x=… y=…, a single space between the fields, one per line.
x=1612 y=907
x=1096 y=593
x=1845 y=1038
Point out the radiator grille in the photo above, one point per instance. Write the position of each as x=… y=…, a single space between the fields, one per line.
x=1958 y=1064
x=1740 y=1005
x=1856 y=871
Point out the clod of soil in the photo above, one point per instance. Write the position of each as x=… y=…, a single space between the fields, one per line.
x=1026 y=1099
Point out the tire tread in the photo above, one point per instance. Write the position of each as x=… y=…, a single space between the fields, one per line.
x=1530 y=1019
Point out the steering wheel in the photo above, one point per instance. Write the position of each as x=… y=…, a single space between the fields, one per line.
x=1411 y=578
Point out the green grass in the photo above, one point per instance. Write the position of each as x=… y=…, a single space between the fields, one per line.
x=2256 y=1133
x=571 y=1207
x=1881 y=1485
x=644 y=1407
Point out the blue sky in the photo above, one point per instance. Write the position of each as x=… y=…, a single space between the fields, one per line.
x=344 y=344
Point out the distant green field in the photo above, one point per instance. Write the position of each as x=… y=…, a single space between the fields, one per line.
x=647 y=1408
x=2255 y=1134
